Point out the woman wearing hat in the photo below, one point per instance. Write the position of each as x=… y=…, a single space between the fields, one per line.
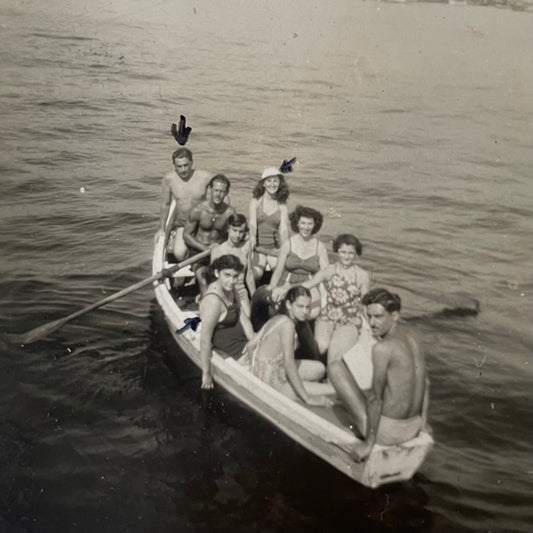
x=269 y=219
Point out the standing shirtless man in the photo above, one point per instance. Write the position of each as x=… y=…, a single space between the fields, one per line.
x=395 y=408
x=188 y=187
x=206 y=225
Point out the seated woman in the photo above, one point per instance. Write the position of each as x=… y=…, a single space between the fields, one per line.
x=269 y=219
x=339 y=323
x=272 y=354
x=224 y=327
x=301 y=257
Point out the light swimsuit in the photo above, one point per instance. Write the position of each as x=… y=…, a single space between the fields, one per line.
x=393 y=431
x=343 y=300
x=269 y=365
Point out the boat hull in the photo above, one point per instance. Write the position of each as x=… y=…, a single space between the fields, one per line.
x=321 y=430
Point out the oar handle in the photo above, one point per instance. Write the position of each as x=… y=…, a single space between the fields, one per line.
x=45 y=329
x=132 y=288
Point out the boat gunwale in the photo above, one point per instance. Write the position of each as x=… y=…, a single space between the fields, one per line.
x=314 y=432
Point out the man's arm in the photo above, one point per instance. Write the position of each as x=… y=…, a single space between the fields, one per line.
x=189 y=231
x=166 y=198
x=374 y=403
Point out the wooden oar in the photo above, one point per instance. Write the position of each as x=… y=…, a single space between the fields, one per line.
x=43 y=331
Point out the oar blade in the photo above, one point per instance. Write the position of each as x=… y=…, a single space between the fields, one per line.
x=37 y=333
x=42 y=331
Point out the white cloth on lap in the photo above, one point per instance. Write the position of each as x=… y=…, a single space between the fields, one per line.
x=358 y=358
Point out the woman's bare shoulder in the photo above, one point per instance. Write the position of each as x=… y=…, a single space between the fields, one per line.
x=210 y=302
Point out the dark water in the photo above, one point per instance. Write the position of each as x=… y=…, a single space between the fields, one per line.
x=412 y=126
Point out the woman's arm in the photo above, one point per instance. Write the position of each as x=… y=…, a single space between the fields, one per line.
x=280 y=265
x=365 y=281
x=286 y=332
x=279 y=293
x=322 y=275
x=252 y=222
x=209 y=316
x=283 y=223
x=246 y=325
x=249 y=279
x=323 y=259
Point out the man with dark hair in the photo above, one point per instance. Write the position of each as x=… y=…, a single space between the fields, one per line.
x=187 y=187
x=206 y=225
x=394 y=410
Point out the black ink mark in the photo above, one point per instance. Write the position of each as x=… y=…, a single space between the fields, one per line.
x=182 y=134
x=286 y=166
x=191 y=323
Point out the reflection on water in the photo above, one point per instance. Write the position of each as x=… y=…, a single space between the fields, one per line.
x=412 y=128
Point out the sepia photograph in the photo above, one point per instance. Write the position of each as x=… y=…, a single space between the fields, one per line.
x=266 y=266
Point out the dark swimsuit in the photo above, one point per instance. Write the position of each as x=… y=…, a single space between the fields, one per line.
x=229 y=336
x=267 y=227
x=298 y=270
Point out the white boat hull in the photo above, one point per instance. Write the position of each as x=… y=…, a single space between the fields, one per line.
x=321 y=430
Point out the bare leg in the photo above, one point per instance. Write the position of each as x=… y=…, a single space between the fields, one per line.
x=347 y=388
x=271 y=261
x=310 y=370
x=201 y=279
x=180 y=248
x=312 y=387
x=315 y=303
x=342 y=339
x=259 y=262
x=323 y=332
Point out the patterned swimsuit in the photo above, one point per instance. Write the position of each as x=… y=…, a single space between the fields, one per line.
x=269 y=367
x=343 y=304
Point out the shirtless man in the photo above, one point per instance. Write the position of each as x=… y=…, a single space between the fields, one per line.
x=394 y=410
x=206 y=224
x=239 y=245
x=188 y=187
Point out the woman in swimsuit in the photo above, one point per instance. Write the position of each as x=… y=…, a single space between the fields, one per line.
x=269 y=219
x=272 y=354
x=224 y=326
x=339 y=323
x=300 y=257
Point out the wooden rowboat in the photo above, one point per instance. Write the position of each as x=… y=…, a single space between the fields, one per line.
x=323 y=431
